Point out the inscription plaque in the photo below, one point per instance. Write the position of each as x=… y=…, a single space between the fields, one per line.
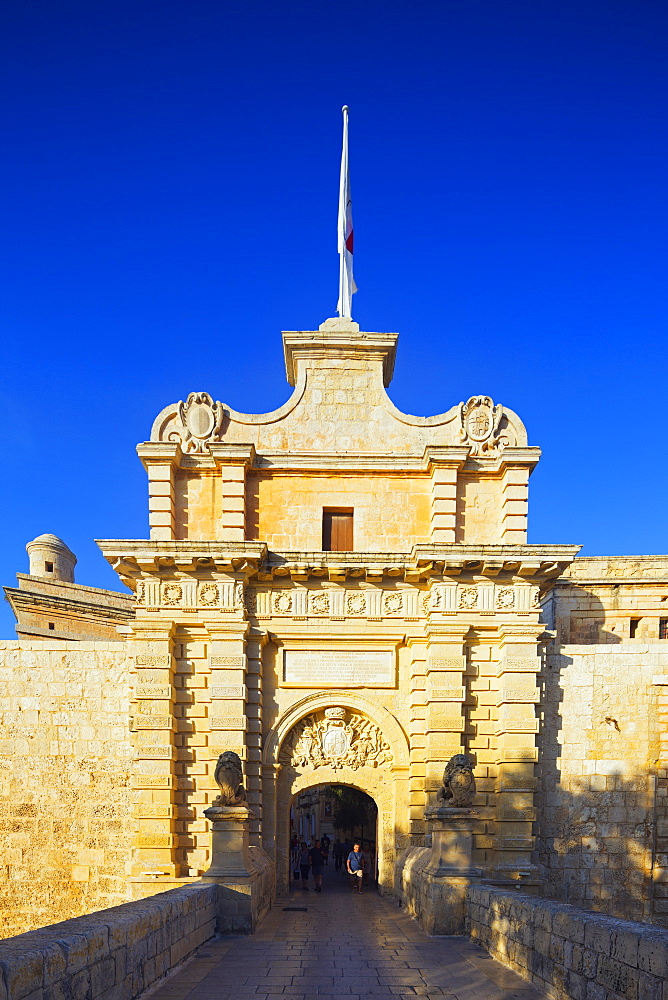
x=338 y=668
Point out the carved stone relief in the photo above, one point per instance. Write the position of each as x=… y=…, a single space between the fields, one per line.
x=468 y=598
x=483 y=425
x=319 y=604
x=200 y=421
x=337 y=738
x=356 y=602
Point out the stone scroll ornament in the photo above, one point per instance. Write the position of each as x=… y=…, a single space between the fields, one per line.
x=200 y=422
x=458 y=786
x=334 y=740
x=229 y=775
x=482 y=425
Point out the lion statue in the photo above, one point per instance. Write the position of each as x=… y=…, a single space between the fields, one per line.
x=228 y=775
x=458 y=786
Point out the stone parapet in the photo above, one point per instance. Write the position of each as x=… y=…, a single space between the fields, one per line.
x=569 y=953
x=118 y=952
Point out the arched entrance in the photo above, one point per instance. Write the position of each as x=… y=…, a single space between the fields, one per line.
x=337 y=738
x=340 y=815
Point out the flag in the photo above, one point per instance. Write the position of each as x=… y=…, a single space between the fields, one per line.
x=347 y=285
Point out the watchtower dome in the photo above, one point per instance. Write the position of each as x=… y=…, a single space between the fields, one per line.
x=51 y=559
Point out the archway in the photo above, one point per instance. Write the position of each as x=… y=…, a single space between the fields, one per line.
x=337 y=738
x=337 y=816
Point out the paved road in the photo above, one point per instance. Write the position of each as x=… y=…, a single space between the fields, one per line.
x=344 y=947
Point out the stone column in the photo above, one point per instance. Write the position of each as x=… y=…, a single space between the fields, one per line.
x=516 y=753
x=154 y=769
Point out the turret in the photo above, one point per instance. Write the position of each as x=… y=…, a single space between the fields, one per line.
x=51 y=559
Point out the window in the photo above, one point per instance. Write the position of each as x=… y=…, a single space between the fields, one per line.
x=337 y=530
x=48 y=566
x=633 y=627
x=51 y=625
x=663 y=628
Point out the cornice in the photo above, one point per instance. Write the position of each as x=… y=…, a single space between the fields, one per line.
x=26 y=600
x=132 y=558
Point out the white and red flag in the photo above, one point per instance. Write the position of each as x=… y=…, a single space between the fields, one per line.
x=347 y=286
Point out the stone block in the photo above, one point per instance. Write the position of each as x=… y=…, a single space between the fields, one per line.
x=653 y=953
x=102 y=976
x=617 y=977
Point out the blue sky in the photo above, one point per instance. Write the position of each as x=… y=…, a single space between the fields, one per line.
x=169 y=183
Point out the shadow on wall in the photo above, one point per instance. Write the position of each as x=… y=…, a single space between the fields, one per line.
x=602 y=808
x=584 y=622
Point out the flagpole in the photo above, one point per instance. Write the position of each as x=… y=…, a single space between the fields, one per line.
x=345 y=231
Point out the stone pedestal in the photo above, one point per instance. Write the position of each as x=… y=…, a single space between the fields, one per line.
x=451 y=842
x=243 y=873
x=449 y=869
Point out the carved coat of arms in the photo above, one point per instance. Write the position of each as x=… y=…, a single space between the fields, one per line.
x=201 y=420
x=331 y=739
x=481 y=424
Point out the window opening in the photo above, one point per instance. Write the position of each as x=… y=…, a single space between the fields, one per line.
x=48 y=566
x=51 y=625
x=663 y=628
x=337 y=529
x=633 y=627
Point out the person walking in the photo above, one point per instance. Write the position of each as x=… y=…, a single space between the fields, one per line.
x=355 y=866
x=304 y=864
x=325 y=841
x=317 y=858
x=337 y=854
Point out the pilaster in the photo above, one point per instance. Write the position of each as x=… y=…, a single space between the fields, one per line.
x=444 y=698
x=444 y=472
x=254 y=645
x=154 y=770
x=517 y=752
x=160 y=459
x=514 y=503
x=232 y=462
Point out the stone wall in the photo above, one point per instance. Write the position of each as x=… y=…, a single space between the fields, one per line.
x=610 y=600
x=65 y=802
x=602 y=804
x=119 y=952
x=569 y=953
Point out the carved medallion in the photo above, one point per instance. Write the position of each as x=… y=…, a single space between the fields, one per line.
x=505 y=597
x=393 y=604
x=468 y=598
x=356 y=603
x=328 y=739
x=208 y=595
x=201 y=420
x=283 y=603
x=172 y=593
x=320 y=604
x=480 y=424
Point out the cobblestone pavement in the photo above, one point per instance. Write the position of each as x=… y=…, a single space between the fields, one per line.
x=345 y=946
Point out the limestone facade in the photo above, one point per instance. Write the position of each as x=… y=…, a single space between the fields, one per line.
x=430 y=633
x=424 y=635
